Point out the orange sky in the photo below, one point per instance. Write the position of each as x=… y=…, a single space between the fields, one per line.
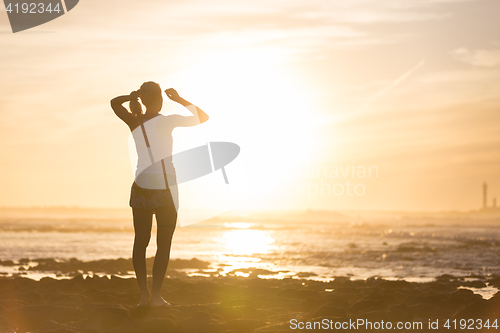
x=409 y=87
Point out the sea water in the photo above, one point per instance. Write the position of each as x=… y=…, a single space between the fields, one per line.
x=316 y=245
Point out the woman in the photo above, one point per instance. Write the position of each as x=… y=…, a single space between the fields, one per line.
x=154 y=190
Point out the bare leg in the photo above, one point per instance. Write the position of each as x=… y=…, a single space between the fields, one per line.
x=166 y=219
x=143 y=221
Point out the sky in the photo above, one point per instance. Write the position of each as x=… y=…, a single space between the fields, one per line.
x=336 y=105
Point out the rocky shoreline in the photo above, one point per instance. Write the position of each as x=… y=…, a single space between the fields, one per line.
x=96 y=304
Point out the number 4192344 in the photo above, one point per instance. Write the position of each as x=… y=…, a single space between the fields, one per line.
x=32 y=8
x=470 y=324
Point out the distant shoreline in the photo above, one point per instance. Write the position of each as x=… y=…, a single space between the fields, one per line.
x=257 y=213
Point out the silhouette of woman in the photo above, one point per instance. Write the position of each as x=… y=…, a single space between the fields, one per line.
x=154 y=190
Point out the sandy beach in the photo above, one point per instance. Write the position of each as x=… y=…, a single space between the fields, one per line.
x=107 y=303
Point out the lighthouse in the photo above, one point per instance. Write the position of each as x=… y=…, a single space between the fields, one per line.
x=489 y=209
x=485 y=195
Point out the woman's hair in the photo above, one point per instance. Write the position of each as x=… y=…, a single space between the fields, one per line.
x=151 y=95
x=135 y=107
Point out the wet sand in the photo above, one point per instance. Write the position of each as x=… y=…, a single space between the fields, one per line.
x=230 y=303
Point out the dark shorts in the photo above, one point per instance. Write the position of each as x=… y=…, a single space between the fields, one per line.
x=149 y=199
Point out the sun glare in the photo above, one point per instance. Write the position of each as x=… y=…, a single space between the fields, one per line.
x=257 y=101
x=246 y=242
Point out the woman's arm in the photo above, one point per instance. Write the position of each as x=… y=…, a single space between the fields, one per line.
x=196 y=111
x=121 y=111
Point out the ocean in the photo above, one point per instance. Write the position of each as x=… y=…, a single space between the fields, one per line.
x=310 y=244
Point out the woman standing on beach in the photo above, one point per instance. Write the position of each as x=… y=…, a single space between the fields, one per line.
x=154 y=190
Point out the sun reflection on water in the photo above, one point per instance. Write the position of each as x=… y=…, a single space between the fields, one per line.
x=246 y=242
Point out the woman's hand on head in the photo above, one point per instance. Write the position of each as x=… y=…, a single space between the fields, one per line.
x=135 y=105
x=134 y=94
x=173 y=94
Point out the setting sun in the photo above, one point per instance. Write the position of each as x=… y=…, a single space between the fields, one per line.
x=260 y=103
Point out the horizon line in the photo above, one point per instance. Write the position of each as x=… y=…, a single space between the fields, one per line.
x=305 y=210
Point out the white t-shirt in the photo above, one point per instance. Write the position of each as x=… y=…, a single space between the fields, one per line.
x=147 y=162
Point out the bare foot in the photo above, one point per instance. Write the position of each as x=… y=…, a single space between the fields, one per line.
x=145 y=300
x=159 y=301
